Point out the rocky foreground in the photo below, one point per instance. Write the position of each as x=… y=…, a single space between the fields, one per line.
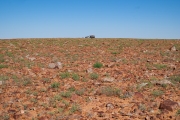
x=89 y=79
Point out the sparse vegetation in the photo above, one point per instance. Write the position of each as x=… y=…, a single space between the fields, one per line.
x=110 y=91
x=142 y=74
x=160 y=66
x=175 y=78
x=157 y=93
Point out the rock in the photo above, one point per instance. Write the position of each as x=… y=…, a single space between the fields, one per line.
x=74 y=98
x=168 y=105
x=161 y=82
x=109 y=106
x=55 y=65
x=108 y=79
x=59 y=65
x=52 y=65
x=138 y=95
x=173 y=48
x=22 y=111
x=178 y=117
x=89 y=70
x=101 y=114
x=30 y=58
x=142 y=85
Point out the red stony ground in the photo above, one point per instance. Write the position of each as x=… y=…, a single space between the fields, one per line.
x=138 y=79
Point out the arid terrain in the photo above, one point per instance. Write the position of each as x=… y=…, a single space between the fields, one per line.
x=89 y=79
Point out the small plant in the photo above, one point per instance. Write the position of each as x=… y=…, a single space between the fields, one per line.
x=110 y=91
x=60 y=110
x=26 y=81
x=57 y=97
x=178 y=112
x=157 y=93
x=1 y=59
x=72 y=89
x=75 y=77
x=55 y=85
x=175 y=78
x=64 y=75
x=80 y=92
x=3 y=66
x=142 y=107
x=66 y=103
x=5 y=117
x=160 y=66
x=164 y=85
x=84 y=80
x=97 y=65
x=66 y=94
x=46 y=80
x=94 y=76
x=74 y=108
x=34 y=100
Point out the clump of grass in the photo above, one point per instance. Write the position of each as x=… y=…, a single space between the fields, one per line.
x=27 y=81
x=66 y=94
x=72 y=89
x=3 y=66
x=5 y=117
x=1 y=58
x=64 y=75
x=55 y=85
x=94 y=76
x=160 y=66
x=142 y=107
x=178 y=112
x=75 y=77
x=34 y=100
x=46 y=80
x=157 y=93
x=110 y=91
x=98 y=65
x=175 y=78
x=57 y=97
x=80 y=92
x=74 y=108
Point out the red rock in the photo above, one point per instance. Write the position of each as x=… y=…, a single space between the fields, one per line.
x=168 y=105
x=74 y=98
x=138 y=95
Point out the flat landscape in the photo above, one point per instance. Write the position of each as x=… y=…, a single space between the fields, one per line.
x=89 y=79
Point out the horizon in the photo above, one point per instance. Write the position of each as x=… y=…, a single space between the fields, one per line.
x=134 y=19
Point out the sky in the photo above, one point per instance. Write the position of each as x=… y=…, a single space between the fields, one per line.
x=80 y=18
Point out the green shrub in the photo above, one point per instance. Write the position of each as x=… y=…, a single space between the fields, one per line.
x=94 y=76
x=97 y=65
x=64 y=75
x=66 y=94
x=55 y=85
x=75 y=77
x=3 y=66
x=160 y=66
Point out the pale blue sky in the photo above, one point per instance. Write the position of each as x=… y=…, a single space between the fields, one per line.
x=79 y=18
